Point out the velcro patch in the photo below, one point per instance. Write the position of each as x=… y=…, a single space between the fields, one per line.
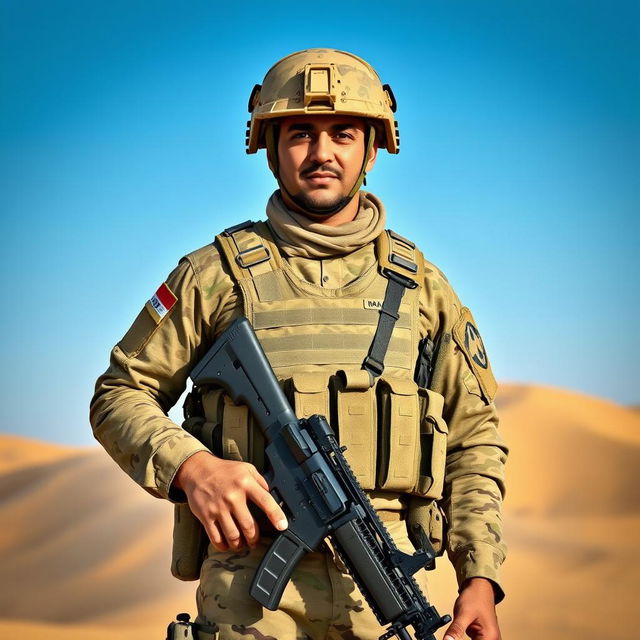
x=372 y=304
x=467 y=337
x=161 y=302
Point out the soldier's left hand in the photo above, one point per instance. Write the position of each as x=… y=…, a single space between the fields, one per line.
x=474 y=613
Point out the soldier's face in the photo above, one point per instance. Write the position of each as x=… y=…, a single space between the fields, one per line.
x=320 y=157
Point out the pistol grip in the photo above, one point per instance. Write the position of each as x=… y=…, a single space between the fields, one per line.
x=276 y=568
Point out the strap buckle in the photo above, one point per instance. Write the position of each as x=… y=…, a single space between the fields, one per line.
x=397 y=257
x=397 y=244
x=252 y=256
x=373 y=366
x=398 y=260
x=399 y=277
x=229 y=231
x=259 y=252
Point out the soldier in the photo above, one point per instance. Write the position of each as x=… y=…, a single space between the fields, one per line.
x=359 y=327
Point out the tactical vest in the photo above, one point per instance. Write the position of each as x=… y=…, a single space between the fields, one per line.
x=316 y=341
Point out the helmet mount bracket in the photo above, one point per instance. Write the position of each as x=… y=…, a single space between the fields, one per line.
x=319 y=88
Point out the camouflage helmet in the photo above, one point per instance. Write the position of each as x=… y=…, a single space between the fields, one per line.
x=323 y=81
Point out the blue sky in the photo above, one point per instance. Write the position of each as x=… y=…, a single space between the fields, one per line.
x=121 y=149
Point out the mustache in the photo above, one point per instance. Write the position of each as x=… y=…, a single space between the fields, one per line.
x=320 y=168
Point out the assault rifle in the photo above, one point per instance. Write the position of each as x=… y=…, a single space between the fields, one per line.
x=311 y=478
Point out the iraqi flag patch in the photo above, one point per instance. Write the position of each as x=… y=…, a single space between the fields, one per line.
x=161 y=302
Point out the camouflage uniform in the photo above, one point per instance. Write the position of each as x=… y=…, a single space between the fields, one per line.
x=148 y=372
x=321 y=602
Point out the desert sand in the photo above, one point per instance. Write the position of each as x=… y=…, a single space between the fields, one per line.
x=84 y=553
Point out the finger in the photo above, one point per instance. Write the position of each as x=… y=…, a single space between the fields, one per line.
x=457 y=629
x=230 y=531
x=213 y=531
x=484 y=630
x=247 y=524
x=261 y=481
x=271 y=508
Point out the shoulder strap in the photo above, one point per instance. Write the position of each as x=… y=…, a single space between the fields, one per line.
x=252 y=255
x=403 y=265
x=401 y=257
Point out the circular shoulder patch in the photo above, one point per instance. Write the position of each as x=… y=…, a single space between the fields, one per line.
x=474 y=346
x=467 y=337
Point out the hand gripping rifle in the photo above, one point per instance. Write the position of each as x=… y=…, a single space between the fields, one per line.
x=311 y=478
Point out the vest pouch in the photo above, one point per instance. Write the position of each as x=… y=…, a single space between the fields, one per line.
x=235 y=431
x=433 y=445
x=398 y=451
x=206 y=424
x=310 y=393
x=225 y=430
x=354 y=411
x=228 y=430
x=190 y=540
x=189 y=537
x=424 y=517
x=207 y=432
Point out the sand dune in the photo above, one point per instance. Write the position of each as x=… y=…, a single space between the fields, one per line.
x=84 y=544
x=570 y=454
x=84 y=554
x=17 y=452
x=572 y=515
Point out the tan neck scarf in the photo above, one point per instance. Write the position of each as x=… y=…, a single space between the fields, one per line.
x=299 y=236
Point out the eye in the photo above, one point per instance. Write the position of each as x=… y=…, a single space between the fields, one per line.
x=344 y=136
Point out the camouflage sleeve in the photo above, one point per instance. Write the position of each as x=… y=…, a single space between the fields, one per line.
x=476 y=453
x=148 y=371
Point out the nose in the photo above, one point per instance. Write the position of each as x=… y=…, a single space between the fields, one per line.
x=320 y=151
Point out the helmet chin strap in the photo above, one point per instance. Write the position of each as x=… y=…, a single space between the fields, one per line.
x=272 y=131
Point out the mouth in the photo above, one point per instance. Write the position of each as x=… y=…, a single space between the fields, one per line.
x=320 y=177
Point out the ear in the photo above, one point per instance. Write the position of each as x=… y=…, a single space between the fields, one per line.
x=270 y=161
x=373 y=154
x=272 y=147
